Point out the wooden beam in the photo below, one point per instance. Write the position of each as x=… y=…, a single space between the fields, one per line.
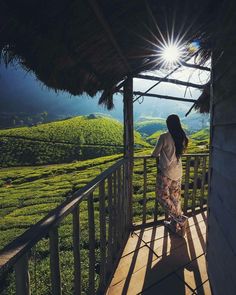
x=140 y=94
x=94 y=5
x=168 y=80
x=195 y=66
x=163 y=96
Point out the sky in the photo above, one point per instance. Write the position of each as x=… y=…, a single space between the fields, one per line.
x=22 y=92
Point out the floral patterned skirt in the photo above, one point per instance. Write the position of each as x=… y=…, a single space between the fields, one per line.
x=168 y=193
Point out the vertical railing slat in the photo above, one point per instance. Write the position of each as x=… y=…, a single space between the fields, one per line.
x=22 y=276
x=196 y=164
x=144 y=189
x=115 y=212
x=204 y=160
x=156 y=198
x=110 y=226
x=54 y=262
x=76 y=251
x=91 y=288
x=102 y=221
x=186 y=184
x=122 y=215
x=119 y=203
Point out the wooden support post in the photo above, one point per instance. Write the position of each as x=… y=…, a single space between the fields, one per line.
x=22 y=276
x=54 y=262
x=129 y=141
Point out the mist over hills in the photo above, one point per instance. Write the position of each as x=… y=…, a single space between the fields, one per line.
x=24 y=99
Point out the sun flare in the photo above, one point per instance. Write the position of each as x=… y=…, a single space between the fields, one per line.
x=171 y=55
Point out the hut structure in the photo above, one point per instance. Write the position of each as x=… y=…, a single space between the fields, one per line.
x=91 y=46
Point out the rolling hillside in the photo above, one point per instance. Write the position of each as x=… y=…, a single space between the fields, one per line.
x=77 y=138
x=148 y=125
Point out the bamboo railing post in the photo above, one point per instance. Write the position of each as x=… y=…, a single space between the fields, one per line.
x=110 y=226
x=91 y=287
x=204 y=160
x=115 y=212
x=186 y=184
x=144 y=189
x=22 y=276
x=122 y=212
x=54 y=262
x=156 y=198
x=195 y=182
x=76 y=251
x=102 y=221
x=119 y=204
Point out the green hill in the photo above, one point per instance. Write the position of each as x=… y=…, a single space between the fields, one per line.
x=202 y=135
x=152 y=139
x=148 y=125
x=77 y=138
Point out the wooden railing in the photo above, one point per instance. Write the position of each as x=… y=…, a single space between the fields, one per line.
x=101 y=216
x=194 y=186
x=108 y=225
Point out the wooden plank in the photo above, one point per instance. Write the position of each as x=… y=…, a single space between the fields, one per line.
x=102 y=223
x=22 y=276
x=228 y=115
x=224 y=138
x=221 y=260
x=144 y=189
x=91 y=288
x=226 y=218
x=186 y=183
x=224 y=163
x=224 y=188
x=54 y=262
x=204 y=163
x=76 y=251
x=196 y=164
x=110 y=226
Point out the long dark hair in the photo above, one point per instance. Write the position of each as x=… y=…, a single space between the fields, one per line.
x=178 y=134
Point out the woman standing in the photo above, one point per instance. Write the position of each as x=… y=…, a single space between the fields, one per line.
x=170 y=148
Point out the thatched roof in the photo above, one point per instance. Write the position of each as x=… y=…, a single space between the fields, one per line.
x=203 y=103
x=89 y=45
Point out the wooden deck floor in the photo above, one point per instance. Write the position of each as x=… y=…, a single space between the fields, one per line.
x=155 y=261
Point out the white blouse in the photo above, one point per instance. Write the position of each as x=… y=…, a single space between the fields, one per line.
x=169 y=165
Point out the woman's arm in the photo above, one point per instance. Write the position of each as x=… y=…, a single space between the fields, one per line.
x=158 y=147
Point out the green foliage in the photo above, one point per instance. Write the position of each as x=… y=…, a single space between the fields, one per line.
x=202 y=135
x=63 y=141
x=34 y=191
x=152 y=139
x=150 y=125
